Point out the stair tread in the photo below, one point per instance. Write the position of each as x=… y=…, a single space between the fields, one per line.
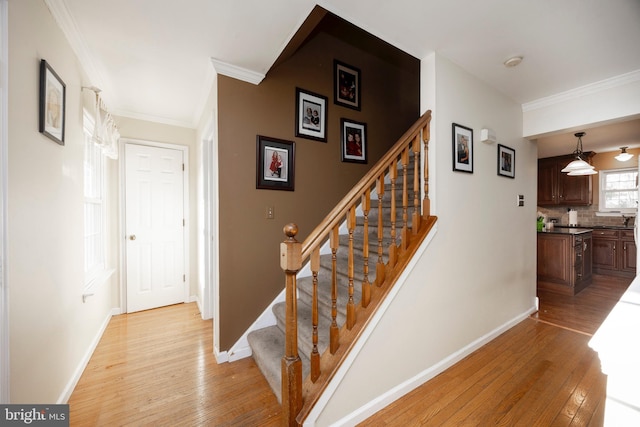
x=267 y=345
x=305 y=327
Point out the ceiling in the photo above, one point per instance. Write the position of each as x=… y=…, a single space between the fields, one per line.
x=153 y=60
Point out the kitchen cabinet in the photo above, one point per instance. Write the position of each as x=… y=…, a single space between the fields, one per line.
x=629 y=255
x=614 y=252
x=564 y=261
x=558 y=188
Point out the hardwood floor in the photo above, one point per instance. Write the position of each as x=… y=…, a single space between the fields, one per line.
x=539 y=373
x=585 y=311
x=157 y=368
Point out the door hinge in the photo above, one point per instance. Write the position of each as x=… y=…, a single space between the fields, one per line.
x=184 y=277
x=183 y=167
x=183 y=222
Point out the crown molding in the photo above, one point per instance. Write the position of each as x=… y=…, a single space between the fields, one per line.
x=581 y=91
x=65 y=21
x=236 y=72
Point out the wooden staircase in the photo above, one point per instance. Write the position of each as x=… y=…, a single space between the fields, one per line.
x=324 y=313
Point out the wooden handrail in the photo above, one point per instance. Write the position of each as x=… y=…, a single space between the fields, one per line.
x=337 y=213
x=293 y=254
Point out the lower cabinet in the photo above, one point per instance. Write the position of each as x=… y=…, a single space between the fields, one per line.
x=564 y=262
x=614 y=252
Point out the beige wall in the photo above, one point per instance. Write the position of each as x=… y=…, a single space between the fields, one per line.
x=250 y=275
x=478 y=273
x=51 y=329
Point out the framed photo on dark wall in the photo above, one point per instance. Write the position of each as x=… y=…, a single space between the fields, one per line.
x=51 y=103
x=346 y=85
x=462 y=147
x=506 y=161
x=353 y=137
x=311 y=115
x=275 y=163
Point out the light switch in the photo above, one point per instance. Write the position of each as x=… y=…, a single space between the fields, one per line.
x=269 y=212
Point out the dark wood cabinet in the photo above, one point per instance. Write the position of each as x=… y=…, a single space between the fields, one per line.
x=614 y=252
x=558 y=188
x=564 y=262
x=629 y=256
x=605 y=250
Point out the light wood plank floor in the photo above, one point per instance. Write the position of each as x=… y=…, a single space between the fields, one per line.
x=539 y=373
x=157 y=368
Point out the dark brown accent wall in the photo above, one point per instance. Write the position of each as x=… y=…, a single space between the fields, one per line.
x=250 y=274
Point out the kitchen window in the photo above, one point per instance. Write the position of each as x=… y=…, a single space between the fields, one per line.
x=619 y=190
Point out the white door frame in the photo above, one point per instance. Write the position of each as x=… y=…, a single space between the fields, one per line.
x=211 y=297
x=4 y=163
x=209 y=169
x=185 y=202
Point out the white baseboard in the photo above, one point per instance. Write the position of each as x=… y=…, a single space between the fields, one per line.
x=221 y=356
x=400 y=390
x=73 y=381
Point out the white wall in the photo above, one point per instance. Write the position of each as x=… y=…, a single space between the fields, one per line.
x=51 y=329
x=598 y=103
x=478 y=274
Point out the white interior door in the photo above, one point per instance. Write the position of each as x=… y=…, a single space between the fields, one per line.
x=154 y=224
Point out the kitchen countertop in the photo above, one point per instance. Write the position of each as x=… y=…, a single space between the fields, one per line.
x=596 y=227
x=562 y=230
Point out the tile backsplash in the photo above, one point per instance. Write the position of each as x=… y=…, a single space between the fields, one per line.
x=586 y=216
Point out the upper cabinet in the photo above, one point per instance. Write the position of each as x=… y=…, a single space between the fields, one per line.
x=558 y=188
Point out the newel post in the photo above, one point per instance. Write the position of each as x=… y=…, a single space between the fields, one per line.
x=291 y=262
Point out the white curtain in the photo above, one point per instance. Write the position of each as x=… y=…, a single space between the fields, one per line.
x=106 y=133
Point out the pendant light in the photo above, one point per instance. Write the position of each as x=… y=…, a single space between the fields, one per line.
x=579 y=167
x=624 y=156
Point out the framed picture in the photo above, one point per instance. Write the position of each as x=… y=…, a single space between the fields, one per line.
x=462 y=148
x=346 y=85
x=274 y=163
x=506 y=161
x=52 y=103
x=311 y=115
x=353 y=136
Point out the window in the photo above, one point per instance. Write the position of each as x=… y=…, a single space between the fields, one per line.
x=619 y=190
x=94 y=206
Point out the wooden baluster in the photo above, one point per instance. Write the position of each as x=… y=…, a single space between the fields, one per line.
x=366 y=286
x=405 y=199
x=351 y=307
x=393 y=174
x=334 y=332
x=380 y=269
x=291 y=366
x=315 y=355
x=426 y=204
x=415 y=220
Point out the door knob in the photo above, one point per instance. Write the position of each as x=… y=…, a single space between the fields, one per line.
x=132 y=237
